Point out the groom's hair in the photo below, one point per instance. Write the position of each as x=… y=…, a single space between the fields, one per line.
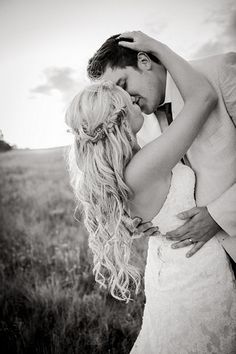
x=112 y=55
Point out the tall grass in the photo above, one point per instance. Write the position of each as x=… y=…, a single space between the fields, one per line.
x=49 y=302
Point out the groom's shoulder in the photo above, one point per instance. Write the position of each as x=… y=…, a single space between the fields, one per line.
x=215 y=61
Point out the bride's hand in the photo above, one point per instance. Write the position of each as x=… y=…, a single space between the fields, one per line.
x=137 y=40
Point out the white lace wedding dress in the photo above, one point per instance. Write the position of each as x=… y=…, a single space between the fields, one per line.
x=190 y=302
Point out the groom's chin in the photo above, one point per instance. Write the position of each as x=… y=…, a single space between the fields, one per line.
x=147 y=110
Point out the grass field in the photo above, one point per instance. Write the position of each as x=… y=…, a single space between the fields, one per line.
x=49 y=302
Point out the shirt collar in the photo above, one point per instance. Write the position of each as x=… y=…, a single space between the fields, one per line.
x=168 y=88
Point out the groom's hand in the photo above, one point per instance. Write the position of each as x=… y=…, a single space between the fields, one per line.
x=137 y=228
x=145 y=229
x=199 y=228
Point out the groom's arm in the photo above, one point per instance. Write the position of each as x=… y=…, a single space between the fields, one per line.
x=202 y=223
x=223 y=211
x=227 y=83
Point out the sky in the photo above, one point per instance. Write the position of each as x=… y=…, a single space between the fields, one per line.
x=46 y=45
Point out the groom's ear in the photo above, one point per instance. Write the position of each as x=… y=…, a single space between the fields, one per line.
x=143 y=61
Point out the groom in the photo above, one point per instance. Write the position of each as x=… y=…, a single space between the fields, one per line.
x=213 y=153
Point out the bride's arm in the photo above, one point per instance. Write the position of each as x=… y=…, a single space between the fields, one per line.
x=157 y=158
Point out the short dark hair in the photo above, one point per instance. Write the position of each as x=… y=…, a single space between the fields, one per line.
x=113 y=55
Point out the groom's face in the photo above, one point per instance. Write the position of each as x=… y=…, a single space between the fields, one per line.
x=145 y=85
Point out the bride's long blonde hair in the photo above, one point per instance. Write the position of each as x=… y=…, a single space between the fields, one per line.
x=103 y=146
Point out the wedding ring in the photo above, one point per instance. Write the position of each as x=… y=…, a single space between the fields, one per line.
x=190 y=240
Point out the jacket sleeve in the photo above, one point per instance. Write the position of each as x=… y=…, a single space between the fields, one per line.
x=223 y=209
x=227 y=82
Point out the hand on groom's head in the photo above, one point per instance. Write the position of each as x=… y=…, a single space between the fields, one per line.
x=120 y=38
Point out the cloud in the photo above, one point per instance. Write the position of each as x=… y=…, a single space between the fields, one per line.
x=62 y=80
x=155 y=28
x=225 y=34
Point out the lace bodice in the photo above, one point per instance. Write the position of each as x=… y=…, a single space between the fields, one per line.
x=179 y=198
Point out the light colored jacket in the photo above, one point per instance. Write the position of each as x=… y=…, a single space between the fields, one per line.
x=212 y=155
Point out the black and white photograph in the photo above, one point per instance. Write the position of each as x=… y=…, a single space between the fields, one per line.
x=118 y=177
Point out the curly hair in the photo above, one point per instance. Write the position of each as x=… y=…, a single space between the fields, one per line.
x=102 y=148
x=111 y=54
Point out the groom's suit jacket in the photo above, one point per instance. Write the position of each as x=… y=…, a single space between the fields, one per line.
x=213 y=153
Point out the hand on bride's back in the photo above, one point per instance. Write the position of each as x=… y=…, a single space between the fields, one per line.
x=137 y=228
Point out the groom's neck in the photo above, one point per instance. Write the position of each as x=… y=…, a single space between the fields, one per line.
x=163 y=80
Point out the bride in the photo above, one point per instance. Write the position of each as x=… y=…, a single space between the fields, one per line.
x=190 y=302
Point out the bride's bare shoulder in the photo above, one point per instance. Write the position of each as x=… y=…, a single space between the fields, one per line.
x=148 y=201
